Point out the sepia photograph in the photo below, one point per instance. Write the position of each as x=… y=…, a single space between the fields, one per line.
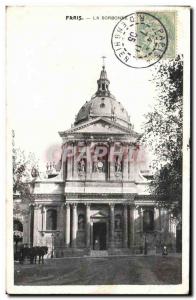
x=98 y=150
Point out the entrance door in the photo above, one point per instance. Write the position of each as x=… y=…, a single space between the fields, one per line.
x=99 y=236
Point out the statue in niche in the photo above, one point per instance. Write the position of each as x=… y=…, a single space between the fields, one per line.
x=118 y=222
x=118 y=166
x=98 y=166
x=82 y=166
x=81 y=222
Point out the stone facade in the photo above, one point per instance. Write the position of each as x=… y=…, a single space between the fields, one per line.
x=99 y=200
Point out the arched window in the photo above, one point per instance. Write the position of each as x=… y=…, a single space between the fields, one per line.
x=18 y=226
x=51 y=219
x=118 y=222
x=81 y=222
x=148 y=219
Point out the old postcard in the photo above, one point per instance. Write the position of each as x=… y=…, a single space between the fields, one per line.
x=98 y=129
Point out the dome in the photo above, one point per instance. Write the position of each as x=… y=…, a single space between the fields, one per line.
x=103 y=104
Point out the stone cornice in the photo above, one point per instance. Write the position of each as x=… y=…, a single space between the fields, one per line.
x=114 y=124
x=109 y=202
x=100 y=196
x=50 y=196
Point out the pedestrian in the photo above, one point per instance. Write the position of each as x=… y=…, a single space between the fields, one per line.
x=164 y=251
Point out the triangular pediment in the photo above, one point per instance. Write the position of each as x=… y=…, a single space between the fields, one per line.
x=99 y=215
x=98 y=126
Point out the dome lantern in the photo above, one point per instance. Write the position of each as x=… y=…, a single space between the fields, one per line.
x=103 y=84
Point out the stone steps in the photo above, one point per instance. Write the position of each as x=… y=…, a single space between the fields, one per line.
x=98 y=253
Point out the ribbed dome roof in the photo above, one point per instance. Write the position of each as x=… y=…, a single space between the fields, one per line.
x=103 y=104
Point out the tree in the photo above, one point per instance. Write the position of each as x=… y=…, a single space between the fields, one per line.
x=163 y=132
x=25 y=170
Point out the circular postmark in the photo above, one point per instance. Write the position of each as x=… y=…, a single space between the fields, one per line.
x=139 y=40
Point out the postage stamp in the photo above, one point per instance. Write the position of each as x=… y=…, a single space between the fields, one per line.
x=169 y=20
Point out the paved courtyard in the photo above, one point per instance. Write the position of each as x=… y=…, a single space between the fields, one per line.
x=101 y=270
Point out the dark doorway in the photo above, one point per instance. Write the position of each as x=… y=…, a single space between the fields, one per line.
x=99 y=236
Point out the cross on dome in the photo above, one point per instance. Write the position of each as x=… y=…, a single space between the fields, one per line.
x=103 y=57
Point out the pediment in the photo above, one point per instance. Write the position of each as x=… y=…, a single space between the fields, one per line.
x=99 y=215
x=99 y=126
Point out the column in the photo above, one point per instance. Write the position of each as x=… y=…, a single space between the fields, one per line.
x=112 y=225
x=125 y=227
x=36 y=225
x=44 y=218
x=131 y=228
x=88 y=161
x=74 y=224
x=40 y=207
x=88 y=225
x=31 y=225
x=125 y=162
x=67 y=226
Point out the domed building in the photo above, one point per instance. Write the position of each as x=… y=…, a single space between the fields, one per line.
x=99 y=202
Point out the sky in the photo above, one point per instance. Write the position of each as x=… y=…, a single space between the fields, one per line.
x=53 y=64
